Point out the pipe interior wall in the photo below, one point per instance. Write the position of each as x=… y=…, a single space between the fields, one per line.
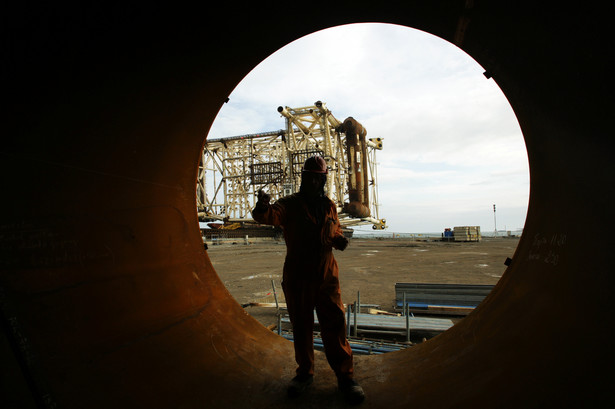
x=107 y=296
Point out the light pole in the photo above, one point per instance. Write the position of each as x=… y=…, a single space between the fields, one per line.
x=495 y=226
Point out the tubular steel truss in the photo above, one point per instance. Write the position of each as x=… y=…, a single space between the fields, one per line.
x=233 y=169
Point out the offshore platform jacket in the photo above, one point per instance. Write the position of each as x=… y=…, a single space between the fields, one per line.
x=309 y=237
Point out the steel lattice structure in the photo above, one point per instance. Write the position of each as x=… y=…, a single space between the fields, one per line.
x=233 y=169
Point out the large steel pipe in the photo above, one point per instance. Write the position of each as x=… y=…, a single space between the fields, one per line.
x=107 y=296
x=358 y=182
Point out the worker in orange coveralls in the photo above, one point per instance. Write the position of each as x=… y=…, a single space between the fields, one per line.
x=310 y=278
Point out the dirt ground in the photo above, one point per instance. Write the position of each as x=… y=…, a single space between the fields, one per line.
x=369 y=266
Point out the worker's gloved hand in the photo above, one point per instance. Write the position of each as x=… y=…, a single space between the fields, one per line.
x=340 y=242
x=262 y=203
x=263 y=198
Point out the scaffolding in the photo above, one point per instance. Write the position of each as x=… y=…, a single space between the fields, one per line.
x=232 y=170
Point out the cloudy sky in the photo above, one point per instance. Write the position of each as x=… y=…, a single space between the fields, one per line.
x=452 y=145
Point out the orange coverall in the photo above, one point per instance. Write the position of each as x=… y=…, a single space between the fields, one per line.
x=310 y=280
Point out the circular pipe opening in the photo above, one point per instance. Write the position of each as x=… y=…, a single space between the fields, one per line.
x=458 y=132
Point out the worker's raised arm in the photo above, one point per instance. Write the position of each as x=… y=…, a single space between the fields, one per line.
x=266 y=213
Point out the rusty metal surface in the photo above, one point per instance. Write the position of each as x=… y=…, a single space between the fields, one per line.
x=107 y=296
x=358 y=182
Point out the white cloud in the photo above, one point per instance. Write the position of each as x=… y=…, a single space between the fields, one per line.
x=452 y=145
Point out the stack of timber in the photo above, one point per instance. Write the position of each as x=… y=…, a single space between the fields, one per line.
x=451 y=299
x=466 y=233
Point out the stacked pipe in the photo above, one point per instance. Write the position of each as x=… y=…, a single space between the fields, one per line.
x=360 y=347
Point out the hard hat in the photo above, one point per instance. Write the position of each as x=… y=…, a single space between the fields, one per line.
x=315 y=164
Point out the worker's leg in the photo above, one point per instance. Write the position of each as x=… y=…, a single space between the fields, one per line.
x=300 y=304
x=330 y=312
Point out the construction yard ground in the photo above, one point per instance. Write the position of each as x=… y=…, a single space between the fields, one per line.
x=369 y=267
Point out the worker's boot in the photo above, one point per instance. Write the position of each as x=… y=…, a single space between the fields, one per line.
x=352 y=391
x=299 y=384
